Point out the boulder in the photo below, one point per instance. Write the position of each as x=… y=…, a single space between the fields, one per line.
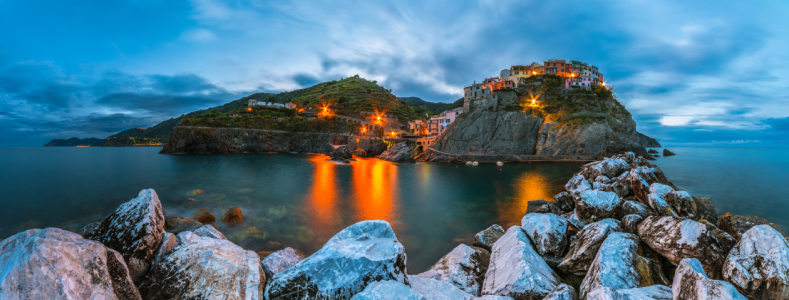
x=574 y=220
x=583 y=249
x=341 y=154
x=682 y=203
x=608 y=167
x=657 y=200
x=464 y=267
x=362 y=253
x=564 y=201
x=399 y=153
x=677 y=238
x=577 y=185
x=593 y=206
x=388 y=290
x=53 y=263
x=654 y=292
x=169 y=242
x=630 y=223
x=233 y=216
x=548 y=233
x=209 y=231
x=281 y=260
x=534 y=205
x=652 y=151
x=666 y=152
x=177 y=225
x=135 y=230
x=642 y=177
x=562 y=292
x=550 y=208
x=636 y=208
x=516 y=270
x=736 y=226
x=433 y=289
x=690 y=282
x=202 y=267
x=759 y=264
x=204 y=216
x=486 y=238
x=618 y=265
x=705 y=210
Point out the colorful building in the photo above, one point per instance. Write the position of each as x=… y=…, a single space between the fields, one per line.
x=556 y=67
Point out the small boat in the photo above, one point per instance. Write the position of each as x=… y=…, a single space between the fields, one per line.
x=468 y=163
x=475 y=163
x=498 y=163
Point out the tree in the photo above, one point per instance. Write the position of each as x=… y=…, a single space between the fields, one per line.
x=271 y=98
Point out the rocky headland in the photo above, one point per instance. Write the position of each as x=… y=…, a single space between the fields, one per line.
x=620 y=230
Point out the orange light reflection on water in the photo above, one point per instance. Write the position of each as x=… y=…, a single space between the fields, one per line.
x=375 y=190
x=529 y=186
x=323 y=200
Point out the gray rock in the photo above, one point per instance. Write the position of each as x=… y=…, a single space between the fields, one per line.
x=341 y=154
x=534 y=205
x=630 y=223
x=464 y=267
x=516 y=270
x=636 y=208
x=210 y=232
x=642 y=177
x=169 y=242
x=56 y=264
x=690 y=282
x=388 y=290
x=573 y=219
x=577 y=185
x=759 y=264
x=202 y=267
x=602 y=179
x=677 y=238
x=562 y=292
x=657 y=200
x=486 y=238
x=608 y=167
x=593 y=206
x=135 y=230
x=621 y=184
x=654 y=292
x=583 y=249
x=682 y=203
x=564 y=201
x=177 y=225
x=550 y=208
x=705 y=210
x=362 y=253
x=666 y=152
x=433 y=289
x=399 y=153
x=618 y=265
x=548 y=233
x=281 y=260
x=736 y=226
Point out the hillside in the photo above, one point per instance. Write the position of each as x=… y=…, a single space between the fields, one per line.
x=421 y=107
x=74 y=142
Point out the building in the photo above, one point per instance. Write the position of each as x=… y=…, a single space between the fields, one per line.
x=578 y=68
x=518 y=72
x=556 y=67
x=584 y=82
x=418 y=127
x=478 y=95
x=438 y=123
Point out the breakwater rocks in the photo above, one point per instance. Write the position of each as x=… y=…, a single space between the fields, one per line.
x=620 y=230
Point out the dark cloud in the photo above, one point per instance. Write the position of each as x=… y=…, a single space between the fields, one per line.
x=306 y=80
x=781 y=125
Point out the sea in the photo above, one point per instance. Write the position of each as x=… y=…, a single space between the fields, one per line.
x=302 y=200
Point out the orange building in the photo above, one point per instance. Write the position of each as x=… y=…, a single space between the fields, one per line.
x=556 y=67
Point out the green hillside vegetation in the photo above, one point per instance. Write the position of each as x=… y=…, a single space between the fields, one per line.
x=73 y=142
x=270 y=119
x=421 y=107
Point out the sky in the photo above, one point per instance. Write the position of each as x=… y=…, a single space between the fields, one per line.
x=692 y=73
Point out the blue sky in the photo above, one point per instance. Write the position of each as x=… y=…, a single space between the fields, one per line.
x=693 y=73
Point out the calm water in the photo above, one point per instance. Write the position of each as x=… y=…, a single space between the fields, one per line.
x=302 y=200
x=287 y=199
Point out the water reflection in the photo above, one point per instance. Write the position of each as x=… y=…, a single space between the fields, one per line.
x=375 y=190
x=529 y=186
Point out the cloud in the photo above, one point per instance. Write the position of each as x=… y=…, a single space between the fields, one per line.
x=198 y=35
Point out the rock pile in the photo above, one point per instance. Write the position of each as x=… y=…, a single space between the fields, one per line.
x=399 y=153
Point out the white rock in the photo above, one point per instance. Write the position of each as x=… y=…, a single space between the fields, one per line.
x=281 y=260
x=548 y=233
x=593 y=206
x=562 y=292
x=608 y=167
x=169 y=242
x=759 y=264
x=641 y=178
x=437 y=290
x=603 y=179
x=577 y=185
x=210 y=232
x=583 y=249
x=636 y=208
x=203 y=267
x=135 y=230
x=388 y=290
x=486 y=238
x=654 y=292
x=573 y=219
x=56 y=264
x=657 y=201
x=464 y=267
x=690 y=282
x=516 y=270
x=619 y=266
x=362 y=253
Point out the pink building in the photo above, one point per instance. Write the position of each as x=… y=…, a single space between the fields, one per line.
x=438 y=123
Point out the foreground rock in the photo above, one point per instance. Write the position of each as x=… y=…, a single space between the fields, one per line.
x=690 y=282
x=341 y=154
x=642 y=177
x=281 y=260
x=399 y=153
x=577 y=185
x=486 y=238
x=656 y=200
x=516 y=270
x=738 y=225
x=593 y=206
x=56 y=264
x=583 y=249
x=676 y=238
x=759 y=264
x=233 y=216
x=177 y=225
x=205 y=268
x=204 y=216
x=548 y=233
x=654 y=292
x=437 y=290
x=135 y=230
x=209 y=231
x=464 y=268
x=362 y=253
x=562 y=292
x=618 y=265
x=388 y=290
x=706 y=210
x=630 y=223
